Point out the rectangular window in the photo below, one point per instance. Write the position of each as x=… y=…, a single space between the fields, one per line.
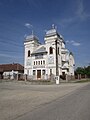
x=50 y=71
x=39 y=56
x=44 y=62
x=34 y=72
x=43 y=72
x=34 y=62
x=38 y=62
x=27 y=72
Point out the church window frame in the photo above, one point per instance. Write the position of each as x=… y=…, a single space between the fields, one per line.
x=28 y=53
x=50 y=50
x=58 y=50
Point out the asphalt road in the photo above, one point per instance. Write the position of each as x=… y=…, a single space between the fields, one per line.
x=74 y=106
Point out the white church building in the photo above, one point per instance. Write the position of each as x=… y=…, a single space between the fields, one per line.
x=51 y=58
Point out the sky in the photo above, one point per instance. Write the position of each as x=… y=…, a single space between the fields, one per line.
x=19 y=17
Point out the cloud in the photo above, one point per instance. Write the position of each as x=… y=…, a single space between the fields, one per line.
x=76 y=44
x=69 y=20
x=81 y=13
x=67 y=41
x=80 y=9
x=72 y=42
x=66 y=21
x=28 y=25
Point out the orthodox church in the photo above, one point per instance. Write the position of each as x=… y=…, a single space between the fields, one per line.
x=51 y=58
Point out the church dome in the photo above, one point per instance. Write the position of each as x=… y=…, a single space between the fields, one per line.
x=52 y=32
x=31 y=37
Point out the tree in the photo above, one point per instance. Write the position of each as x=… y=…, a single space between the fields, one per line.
x=80 y=70
x=83 y=71
x=87 y=70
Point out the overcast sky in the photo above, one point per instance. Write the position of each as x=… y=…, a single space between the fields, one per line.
x=19 y=17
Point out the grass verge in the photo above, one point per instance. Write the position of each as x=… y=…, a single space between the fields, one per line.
x=82 y=81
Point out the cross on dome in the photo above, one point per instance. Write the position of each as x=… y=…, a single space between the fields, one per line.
x=53 y=26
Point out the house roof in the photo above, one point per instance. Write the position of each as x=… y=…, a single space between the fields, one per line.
x=41 y=49
x=10 y=67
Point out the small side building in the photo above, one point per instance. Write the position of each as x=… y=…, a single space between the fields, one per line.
x=11 y=71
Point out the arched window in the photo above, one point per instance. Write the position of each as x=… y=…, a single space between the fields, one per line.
x=28 y=53
x=50 y=50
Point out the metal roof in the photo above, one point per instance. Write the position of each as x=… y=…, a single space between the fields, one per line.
x=42 y=49
x=31 y=37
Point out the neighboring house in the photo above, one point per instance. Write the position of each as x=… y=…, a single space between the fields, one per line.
x=51 y=58
x=11 y=71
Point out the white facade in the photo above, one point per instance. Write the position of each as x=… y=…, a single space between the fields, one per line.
x=10 y=74
x=41 y=61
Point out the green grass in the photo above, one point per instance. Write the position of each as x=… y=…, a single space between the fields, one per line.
x=82 y=81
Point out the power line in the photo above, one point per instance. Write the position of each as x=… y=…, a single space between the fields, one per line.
x=6 y=38
x=12 y=43
x=10 y=51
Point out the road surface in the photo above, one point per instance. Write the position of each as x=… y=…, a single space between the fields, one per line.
x=75 y=106
x=22 y=101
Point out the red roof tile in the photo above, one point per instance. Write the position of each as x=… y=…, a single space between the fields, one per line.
x=10 y=67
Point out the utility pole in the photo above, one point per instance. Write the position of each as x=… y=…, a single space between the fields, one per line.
x=57 y=73
x=56 y=58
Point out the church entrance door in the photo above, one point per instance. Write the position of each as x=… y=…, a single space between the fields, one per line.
x=38 y=73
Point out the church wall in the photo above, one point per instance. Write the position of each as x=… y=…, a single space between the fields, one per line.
x=47 y=61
